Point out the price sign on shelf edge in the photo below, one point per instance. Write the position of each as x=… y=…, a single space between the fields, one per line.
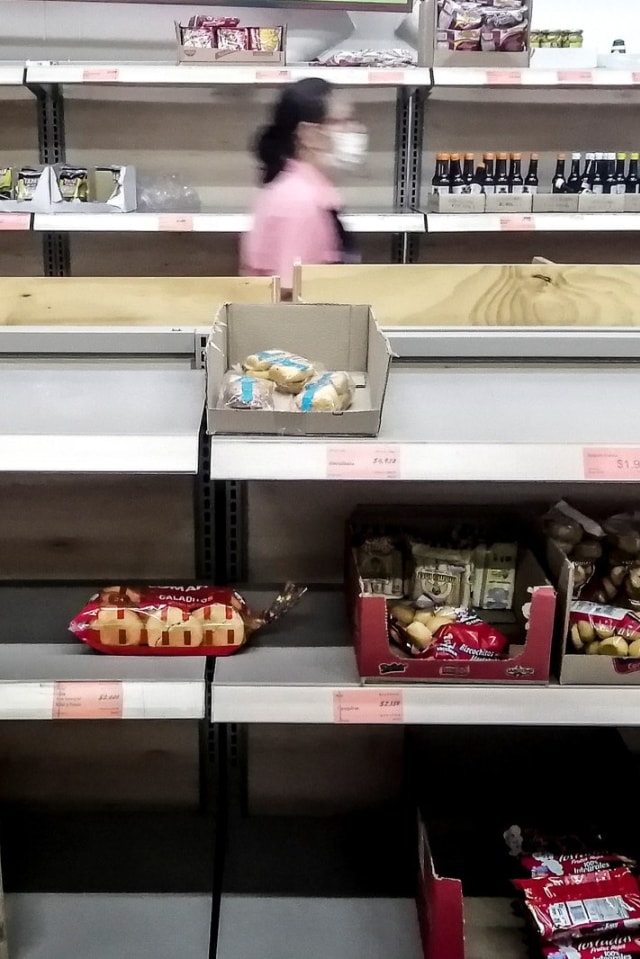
x=100 y=75
x=611 y=463
x=366 y=706
x=579 y=77
x=506 y=78
x=175 y=223
x=363 y=461
x=14 y=221
x=82 y=700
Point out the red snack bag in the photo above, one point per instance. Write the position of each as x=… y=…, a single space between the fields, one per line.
x=232 y=38
x=618 y=947
x=468 y=638
x=547 y=864
x=212 y=23
x=618 y=628
x=174 y=620
x=582 y=905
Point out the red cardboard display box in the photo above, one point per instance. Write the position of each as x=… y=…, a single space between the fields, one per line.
x=530 y=645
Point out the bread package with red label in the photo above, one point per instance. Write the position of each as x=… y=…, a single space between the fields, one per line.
x=604 y=630
x=582 y=905
x=618 y=947
x=445 y=633
x=175 y=620
x=543 y=864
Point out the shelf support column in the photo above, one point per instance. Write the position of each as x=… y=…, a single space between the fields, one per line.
x=408 y=168
x=51 y=146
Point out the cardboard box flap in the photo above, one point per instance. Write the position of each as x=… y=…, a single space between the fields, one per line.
x=440 y=907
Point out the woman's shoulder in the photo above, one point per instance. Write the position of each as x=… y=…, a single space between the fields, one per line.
x=298 y=188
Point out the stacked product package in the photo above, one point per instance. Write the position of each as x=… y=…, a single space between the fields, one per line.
x=483 y=25
x=225 y=33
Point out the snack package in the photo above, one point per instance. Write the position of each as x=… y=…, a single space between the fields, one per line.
x=203 y=39
x=444 y=634
x=511 y=40
x=6 y=183
x=468 y=40
x=494 y=575
x=381 y=567
x=232 y=38
x=261 y=363
x=329 y=393
x=543 y=864
x=212 y=23
x=73 y=183
x=291 y=373
x=580 y=539
x=617 y=947
x=268 y=39
x=28 y=180
x=441 y=576
x=582 y=905
x=240 y=391
x=604 y=630
x=174 y=620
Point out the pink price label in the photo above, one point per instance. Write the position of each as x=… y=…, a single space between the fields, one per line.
x=581 y=77
x=363 y=461
x=273 y=76
x=504 y=78
x=175 y=223
x=392 y=77
x=611 y=463
x=100 y=75
x=87 y=700
x=635 y=77
x=516 y=223
x=368 y=706
x=14 y=221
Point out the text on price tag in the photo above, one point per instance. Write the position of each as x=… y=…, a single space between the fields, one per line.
x=87 y=700
x=14 y=221
x=368 y=706
x=582 y=77
x=609 y=463
x=392 y=77
x=273 y=76
x=514 y=223
x=508 y=78
x=635 y=77
x=363 y=461
x=175 y=223
x=100 y=75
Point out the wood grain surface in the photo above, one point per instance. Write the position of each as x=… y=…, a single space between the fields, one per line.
x=115 y=301
x=483 y=295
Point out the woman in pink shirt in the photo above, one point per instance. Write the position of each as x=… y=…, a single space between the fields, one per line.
x=296 y=215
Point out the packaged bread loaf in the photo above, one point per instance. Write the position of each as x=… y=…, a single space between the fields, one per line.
x=328 y=393
x=174 y=620
x=243 y=391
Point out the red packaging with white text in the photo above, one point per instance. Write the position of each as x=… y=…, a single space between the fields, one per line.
x=582 y=905
x=618 y=947
x=174 y=620
x=543 y=864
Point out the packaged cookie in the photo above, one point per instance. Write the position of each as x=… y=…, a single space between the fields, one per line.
x=73 y=183
x=444 y=633
x=28 y=179
x=604 y=630
x=380 y=565
x=232 y=38
x=268 y=39
x=241 y=391
x=441 y=576
x=174 y=620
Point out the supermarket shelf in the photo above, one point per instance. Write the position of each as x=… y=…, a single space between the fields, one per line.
x=12 y=74
x=171 y=74
x=36 y=654
x=108 y=926
x=96 y=420
x=382 y=222
x=277 y=927
x=523 y=222
x=529 y=77
x=284 y=685
x=497 y=423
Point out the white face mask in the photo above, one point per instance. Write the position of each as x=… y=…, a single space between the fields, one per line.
x=348 y=148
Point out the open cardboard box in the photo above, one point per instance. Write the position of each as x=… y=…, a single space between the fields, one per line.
x=530 y=645
x=112 y=189
x=431 y=55
x=577 y=669
x=213 y=55
x=335 y=337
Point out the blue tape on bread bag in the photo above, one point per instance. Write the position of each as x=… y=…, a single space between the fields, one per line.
x=292 y=364
x=270 y=354
x=247 y=387
x=310 y=391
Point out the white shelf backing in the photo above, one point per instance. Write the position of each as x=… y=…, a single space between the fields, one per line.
x=383 y=222
x=479 y=422
x=108 y=926
x=529 y=77
x=277 y=927
x=531 y=222
x=100 y=421
x=171 y=74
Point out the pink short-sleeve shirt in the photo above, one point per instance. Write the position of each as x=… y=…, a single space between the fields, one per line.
x=291 y=223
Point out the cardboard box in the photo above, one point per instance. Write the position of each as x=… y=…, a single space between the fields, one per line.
x=601 y=203
x=577 y=669
x=41 y=201
x=632 y=203
x=555 y=202
x=111 y=196
x=530 y=646
x=509 y=203
x=456 y=203
x=430 y=55
x=336 y=337
x=202 y=55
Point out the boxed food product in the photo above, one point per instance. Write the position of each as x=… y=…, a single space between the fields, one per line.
x=24 y=189
x=329 y=365
x=457 y=33
x=224 y=40
x=174 y=620
x=103 y=189
x=482 y=611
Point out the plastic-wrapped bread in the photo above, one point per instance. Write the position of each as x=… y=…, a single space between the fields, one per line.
x=240 y=391
x=263 y=361
x=330 y=393
x=291 y=373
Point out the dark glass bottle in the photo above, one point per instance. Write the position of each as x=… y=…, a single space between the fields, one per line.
x=597 y=180
x=479 y=178
x=440 y=181
x=531 y=182
x=456 y=180
x=610 y=182
x=516 y=183
x=621 y=179
x=502 y=178
x=489 y=176
x=588 y=173
x=559 y=183
x=632 y=184
x=467 y=172
x=574 y=180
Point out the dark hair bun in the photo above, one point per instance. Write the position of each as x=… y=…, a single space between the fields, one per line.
x=302 y=102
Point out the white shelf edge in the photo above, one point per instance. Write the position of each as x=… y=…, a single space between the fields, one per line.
x=12 y=74
x=171 y=74
x=531 y=222
x=568 y=77
x=98 y=454
x=140 y=700
x=208 y=222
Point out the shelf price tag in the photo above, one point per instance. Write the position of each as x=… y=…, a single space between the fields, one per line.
x=611 y=463
x=102 y=700
x=392 y=77
x=515 y=223
x=14 y=221
x=368 y=706
x=175 y=223
x=503 y=78
x=578 y=77
x=100 y=75
x=635 y=77
x=363 y=461
x=273 y=76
